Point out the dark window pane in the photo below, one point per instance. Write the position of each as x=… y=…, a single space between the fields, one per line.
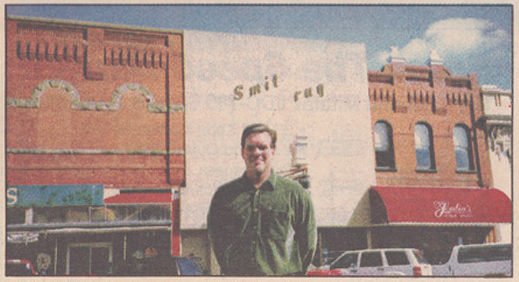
x=396 y=258
x=371 y=259
x=79 y=260
x=100 y=262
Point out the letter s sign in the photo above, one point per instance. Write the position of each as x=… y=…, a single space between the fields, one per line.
x=12 y=196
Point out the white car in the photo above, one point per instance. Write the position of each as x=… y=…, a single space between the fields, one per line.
x=494 y=259
x=377 y=262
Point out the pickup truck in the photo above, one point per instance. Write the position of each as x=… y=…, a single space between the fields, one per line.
x=491 y=259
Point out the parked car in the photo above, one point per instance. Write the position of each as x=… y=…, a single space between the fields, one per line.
x=19 y=267
x=377 y=262
x=494 y=259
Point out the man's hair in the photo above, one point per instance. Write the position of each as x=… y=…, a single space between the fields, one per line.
x=259 y=128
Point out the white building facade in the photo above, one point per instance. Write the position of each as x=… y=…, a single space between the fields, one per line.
x=314 y=93
x=497 y=105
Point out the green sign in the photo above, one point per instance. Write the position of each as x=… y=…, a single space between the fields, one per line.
x=54 y=195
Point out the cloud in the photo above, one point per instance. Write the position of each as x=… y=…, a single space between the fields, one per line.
x=452 y=37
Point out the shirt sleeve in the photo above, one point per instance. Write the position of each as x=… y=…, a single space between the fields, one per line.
x=306 y=231
x=215 y=231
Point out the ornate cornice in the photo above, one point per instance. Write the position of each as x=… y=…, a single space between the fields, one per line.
x=76 y=103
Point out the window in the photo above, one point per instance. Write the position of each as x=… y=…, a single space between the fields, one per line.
x=371 y=259
x=462 y=148
x=89 y=258
x=385 y=156
x=396 y=258
x=470 y=254
x=346 y=261
x=424 y=147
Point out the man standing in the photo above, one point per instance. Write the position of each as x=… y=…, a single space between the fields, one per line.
x=261 y=223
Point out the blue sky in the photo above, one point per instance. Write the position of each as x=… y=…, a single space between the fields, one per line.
x=469 y=38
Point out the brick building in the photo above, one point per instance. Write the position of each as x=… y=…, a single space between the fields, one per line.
x=397 y=157
x=95 y=129
x=433 y=171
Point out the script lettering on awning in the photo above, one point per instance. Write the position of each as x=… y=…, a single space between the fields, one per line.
x=444 y=209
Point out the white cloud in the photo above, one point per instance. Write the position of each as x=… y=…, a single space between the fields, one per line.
x=454 y=36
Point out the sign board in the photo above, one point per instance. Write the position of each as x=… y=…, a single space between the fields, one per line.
x=54 y=195
x=310 y=90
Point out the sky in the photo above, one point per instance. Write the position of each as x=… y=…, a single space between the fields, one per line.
x=468 y=38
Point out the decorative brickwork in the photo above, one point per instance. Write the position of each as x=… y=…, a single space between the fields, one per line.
x=76 y=103
x=93 y=103
x=404 y=95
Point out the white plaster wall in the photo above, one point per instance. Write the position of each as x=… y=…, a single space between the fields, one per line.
x=338 y=125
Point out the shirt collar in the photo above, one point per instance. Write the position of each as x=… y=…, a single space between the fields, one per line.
x=270 y=181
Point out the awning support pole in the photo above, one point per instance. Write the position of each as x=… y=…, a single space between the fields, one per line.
x=124 y=247
x=56 y=257
x=369 y=238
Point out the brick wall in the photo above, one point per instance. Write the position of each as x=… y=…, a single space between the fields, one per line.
x=93 y=104
x=403 y=95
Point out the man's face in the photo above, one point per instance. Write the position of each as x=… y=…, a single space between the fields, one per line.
x=258 y=153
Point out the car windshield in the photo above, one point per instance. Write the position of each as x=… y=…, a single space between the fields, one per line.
x=345 y=261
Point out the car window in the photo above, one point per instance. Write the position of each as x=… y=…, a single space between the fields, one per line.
x=484 y=253
x=419 y=256
x=369 y=259
x=396 y=258
x=346 y=261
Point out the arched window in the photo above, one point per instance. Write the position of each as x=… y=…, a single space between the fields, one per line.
x=462 y=148
x=424 y=146
x=385 y=156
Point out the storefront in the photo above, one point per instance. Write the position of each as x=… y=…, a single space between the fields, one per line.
x=77 y=230
x=430 y=219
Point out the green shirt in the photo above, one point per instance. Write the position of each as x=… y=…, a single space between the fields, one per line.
x=266 y=231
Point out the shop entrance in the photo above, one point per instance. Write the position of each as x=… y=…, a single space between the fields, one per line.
x=89 y=258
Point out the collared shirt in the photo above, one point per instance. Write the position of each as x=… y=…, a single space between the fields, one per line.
x=262 y=231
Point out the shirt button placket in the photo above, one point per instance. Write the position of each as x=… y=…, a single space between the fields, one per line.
x=256 y=223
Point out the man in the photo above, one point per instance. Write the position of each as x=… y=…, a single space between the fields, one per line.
x=261 y=223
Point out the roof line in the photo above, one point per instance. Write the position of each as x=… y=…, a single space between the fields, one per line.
x=92 y=24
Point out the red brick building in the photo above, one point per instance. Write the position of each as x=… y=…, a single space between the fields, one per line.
x=431 y=157
x=91 y=105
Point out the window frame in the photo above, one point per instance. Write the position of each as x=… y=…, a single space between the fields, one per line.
x=390 y=152
x=468 y=150
x=431 y=152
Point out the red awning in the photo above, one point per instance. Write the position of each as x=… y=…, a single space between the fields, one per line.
x=139 y=198
x=439 y=205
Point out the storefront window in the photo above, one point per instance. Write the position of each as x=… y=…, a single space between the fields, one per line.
x=80 y=214
x=139 y=213
x=89 y=258
x=66 y=214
